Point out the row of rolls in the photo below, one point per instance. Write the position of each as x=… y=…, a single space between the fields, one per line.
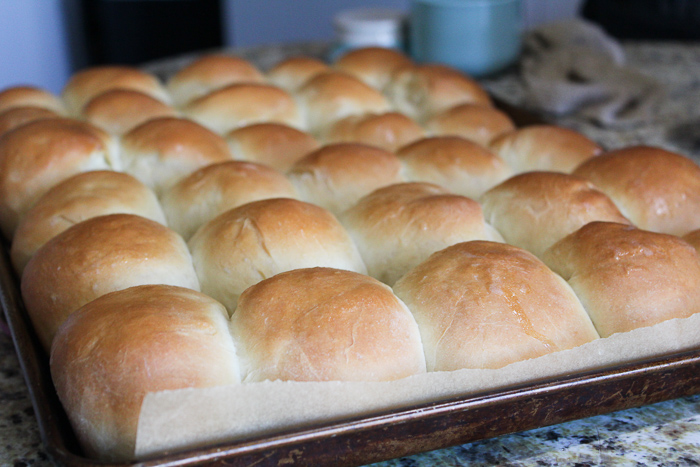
x=367 y=220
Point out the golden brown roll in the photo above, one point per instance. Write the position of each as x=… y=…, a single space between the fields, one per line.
x=290 y=74
x=38 y=155
x=163 y=150
x=398 y=226
x=337 y=175
x=422 y=91
x=29 y=96
x=120 y=110
x=244 y=104
x=332 y=96
x=91 y=82
x=273 y=144
x=216 y=188
x=536 y=209
x=98 y=256
x=18 y=116
x=626 y=277
x=389 y=131
x=209 y=73
x=116 y=349
x=462 y=166
x=657 y=190
x=544 y=147
x=76 y=199
x=257 y=240
x=474 y=122
x=344 y=327
x=373 y=65
x=485 y=305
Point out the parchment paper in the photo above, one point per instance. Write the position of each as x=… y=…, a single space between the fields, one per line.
x=175 y=420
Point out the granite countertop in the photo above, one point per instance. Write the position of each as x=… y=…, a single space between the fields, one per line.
x=666 y=433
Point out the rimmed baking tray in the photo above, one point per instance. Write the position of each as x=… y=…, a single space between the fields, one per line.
x=386 y=435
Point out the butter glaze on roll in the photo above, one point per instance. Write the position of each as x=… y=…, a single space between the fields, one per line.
x=536 y=209
x=389 y=131
x=398 y=226
x=18 y=116
x=209 y=73
x=98 y=256
x=373 y=65
x=216 y=188
x=120 y=110
x=485 y=305
x=291 y=74
x=474 y=122
x=462 y=166
x=163 y=150
x=244 y=104
x=257 y=240
x=628 y=278
x=337 y=175
x=273 y=144
x=544 y=147
x=344 y=327
x=332 y=96
x=38 y=155
x=656 y=189
x=113 y=351
x=91 y=82
x=76 y=199
x=29 y=96
x=422 y=91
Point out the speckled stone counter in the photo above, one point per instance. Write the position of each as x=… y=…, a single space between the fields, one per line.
x=665 y=434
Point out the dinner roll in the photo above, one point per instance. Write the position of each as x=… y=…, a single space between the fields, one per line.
x=485 y=305
x=38 y=155
x=337 y=175
x=344 y=327
x=273 y=144
x=656 y=189
x=98 y=256
x=120 y=110
x=78 y=198
x=18 y=116
x=628 y=278
x=536 y=209
x=474 y=122
x=209 y=73
x=398 y=226
x=373 y=65
x=29 y=96
x=118 y=348
x=462 y=166
x=388 y=131
x=544 y=147
x=164 y=150
x=290 y=74
x=240 y=105
x=332 y=96
x=91 y=82
x=257 y=240
x=216 y=188
x=422 y=91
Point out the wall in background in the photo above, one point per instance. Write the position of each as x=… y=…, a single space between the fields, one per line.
x=33 y=44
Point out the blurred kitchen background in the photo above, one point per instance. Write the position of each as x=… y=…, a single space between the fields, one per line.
x=43 y=41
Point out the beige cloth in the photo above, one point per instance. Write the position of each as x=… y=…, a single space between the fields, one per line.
x=575 y=67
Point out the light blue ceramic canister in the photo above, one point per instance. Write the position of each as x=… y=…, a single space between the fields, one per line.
x=479 y=37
